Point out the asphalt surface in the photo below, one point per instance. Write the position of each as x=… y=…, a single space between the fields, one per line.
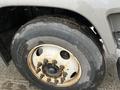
x=11 y=79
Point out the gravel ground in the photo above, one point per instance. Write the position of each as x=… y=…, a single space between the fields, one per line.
x=11 y=79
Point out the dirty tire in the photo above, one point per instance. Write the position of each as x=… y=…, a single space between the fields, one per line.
x=67 y=34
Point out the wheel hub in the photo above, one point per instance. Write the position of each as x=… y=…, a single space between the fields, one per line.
x=53 y=64
x=51 y=70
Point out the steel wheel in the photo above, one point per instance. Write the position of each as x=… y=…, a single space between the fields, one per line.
x=53 y=64
x=54 y=54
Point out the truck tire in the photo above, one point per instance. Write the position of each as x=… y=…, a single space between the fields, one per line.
x=54 y=54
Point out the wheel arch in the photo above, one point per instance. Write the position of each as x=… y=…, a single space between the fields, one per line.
x=51 y=11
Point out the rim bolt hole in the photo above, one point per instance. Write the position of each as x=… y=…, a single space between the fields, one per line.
x=39 y=51
x=64 y=54
x=74 y=74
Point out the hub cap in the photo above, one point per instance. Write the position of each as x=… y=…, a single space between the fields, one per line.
x=53 y=64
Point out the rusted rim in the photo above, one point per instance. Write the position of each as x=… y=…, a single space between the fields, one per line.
x=53 y=64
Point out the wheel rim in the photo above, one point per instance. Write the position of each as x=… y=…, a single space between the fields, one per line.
x=53 y=64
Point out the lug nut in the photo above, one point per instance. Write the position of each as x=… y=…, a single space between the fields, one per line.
x=48 y=79
x=45 y=61
x=62 y=80
x=39 y=64
x=38 y=70
x=41 y=76
x=65 y=74
x=56 y=81
x=54 y=62
x=62 y=67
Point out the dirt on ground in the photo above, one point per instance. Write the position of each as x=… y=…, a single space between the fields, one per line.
x=11 y=79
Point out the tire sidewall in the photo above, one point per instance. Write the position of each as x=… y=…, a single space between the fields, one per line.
x=73 y=40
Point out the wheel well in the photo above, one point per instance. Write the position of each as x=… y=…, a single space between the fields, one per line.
x=11 y=18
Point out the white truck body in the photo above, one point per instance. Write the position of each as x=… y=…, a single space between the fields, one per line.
x=96 y=11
